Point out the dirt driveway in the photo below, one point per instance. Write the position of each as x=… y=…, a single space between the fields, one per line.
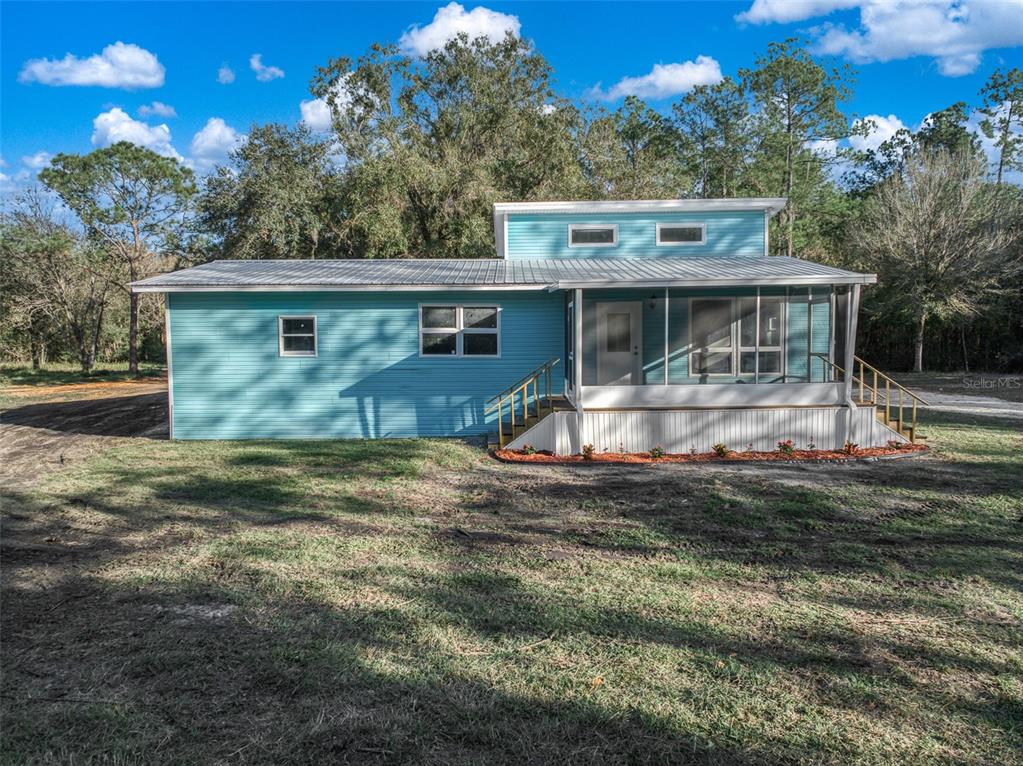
x=42 y=429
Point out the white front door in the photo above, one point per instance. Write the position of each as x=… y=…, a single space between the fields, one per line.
x=619 y=343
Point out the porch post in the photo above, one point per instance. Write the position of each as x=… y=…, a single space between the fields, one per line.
x=852 y=310
x=577 y=362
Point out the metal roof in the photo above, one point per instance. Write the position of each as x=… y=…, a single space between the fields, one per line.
x=770 y=204
x=550 y=273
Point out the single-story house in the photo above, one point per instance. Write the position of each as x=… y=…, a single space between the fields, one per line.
x=625 y=325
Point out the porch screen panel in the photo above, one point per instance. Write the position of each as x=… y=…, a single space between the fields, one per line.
x=678 y=337
x=712 y=350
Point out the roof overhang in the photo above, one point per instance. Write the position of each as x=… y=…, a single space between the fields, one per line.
x=770 y=205
x=853 y=279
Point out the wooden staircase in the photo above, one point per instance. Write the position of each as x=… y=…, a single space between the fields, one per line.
x=894 y=405
x=525 y=403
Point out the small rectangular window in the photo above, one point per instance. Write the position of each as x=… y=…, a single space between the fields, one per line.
x=297 y=336
x=459 y=331
x=681 y=233
x=592 y=235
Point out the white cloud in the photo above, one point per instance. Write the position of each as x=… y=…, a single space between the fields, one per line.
x=665 y=80
x=316 y=114
x=452 y=20
x=157 y=109
x=225 y=75
x=884 y=128
x=119 y=66
x=954 y=32
x=785 y=11
x=212 y=144
x=116 y=125
x=37 y=161
x=263 y=72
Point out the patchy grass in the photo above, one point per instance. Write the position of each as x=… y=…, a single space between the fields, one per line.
x=415 y=602
x=62 y=373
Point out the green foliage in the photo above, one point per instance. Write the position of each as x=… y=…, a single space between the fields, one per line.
x=431 y=144
x=721 y=449
x=657 y=452
x=1003 y=118
x=134 y=204
x=588 y=452
x=279 y=198
x=786 y=447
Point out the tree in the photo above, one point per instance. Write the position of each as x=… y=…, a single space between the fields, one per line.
x=54 y=280
x=1003 y=118
x=946 y=131
x=431 y=144
x=632 y=153
x=134 y=203
x=797 y=102
x=713 y=122
x=929 y=233
x=277 y=199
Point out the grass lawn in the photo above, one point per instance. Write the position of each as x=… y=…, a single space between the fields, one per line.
x=61 y=373
x=414 y=602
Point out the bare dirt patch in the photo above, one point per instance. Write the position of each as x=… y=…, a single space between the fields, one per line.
x=40 y=437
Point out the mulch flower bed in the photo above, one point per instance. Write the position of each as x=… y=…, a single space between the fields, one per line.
x=799 y=455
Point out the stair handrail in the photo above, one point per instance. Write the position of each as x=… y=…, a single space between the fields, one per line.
x=875 y=391
x=497 y=402
x=545 y=367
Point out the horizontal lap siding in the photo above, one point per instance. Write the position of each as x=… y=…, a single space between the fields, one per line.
x=367 y=380
x=545 y=235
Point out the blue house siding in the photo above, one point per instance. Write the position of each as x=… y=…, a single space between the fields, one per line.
x=367 y=380
x=545 y=235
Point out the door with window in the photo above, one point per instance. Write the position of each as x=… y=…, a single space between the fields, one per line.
x=619 y=343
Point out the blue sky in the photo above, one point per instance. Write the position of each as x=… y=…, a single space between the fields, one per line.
x=68 y=86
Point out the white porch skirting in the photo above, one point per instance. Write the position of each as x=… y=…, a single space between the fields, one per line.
x=680 y=431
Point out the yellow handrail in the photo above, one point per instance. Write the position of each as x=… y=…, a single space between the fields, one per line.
x=522 y=387
x=874 y=391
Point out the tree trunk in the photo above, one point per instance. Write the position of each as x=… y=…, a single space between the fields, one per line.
x=133 y=333
x=38 y=348
x=966 y=356
x=918 y=356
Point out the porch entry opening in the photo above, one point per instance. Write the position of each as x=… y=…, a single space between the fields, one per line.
x=619 y=341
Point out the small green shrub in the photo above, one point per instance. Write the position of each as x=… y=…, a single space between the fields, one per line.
x=528 y=449
x=786 y=447
x=587 y=452
x=811 y=445
x=895 y=444
x=850 y=448
x=721 y=449
x=657 y=452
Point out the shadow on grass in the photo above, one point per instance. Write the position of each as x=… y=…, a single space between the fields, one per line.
x=113 y=416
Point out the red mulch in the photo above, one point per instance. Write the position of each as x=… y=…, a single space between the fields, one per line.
x=799 y=455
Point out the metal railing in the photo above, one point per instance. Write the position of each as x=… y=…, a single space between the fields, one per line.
x=880 y=388
x=520 y=392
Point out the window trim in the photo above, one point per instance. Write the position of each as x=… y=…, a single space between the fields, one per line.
x=591 y=227
x=730 y=299
x=460 y=330
x=280 y=336
x=758 y=348
x=736 y=348
x=702 y=226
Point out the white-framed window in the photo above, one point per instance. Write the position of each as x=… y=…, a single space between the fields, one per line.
x=296 y=335
x=711 y=341
x=681 y=234
x=724 y=337
x=770 y=324
x=459 y=330
x=593 y=235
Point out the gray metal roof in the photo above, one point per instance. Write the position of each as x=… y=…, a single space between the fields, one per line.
x=563 y=273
